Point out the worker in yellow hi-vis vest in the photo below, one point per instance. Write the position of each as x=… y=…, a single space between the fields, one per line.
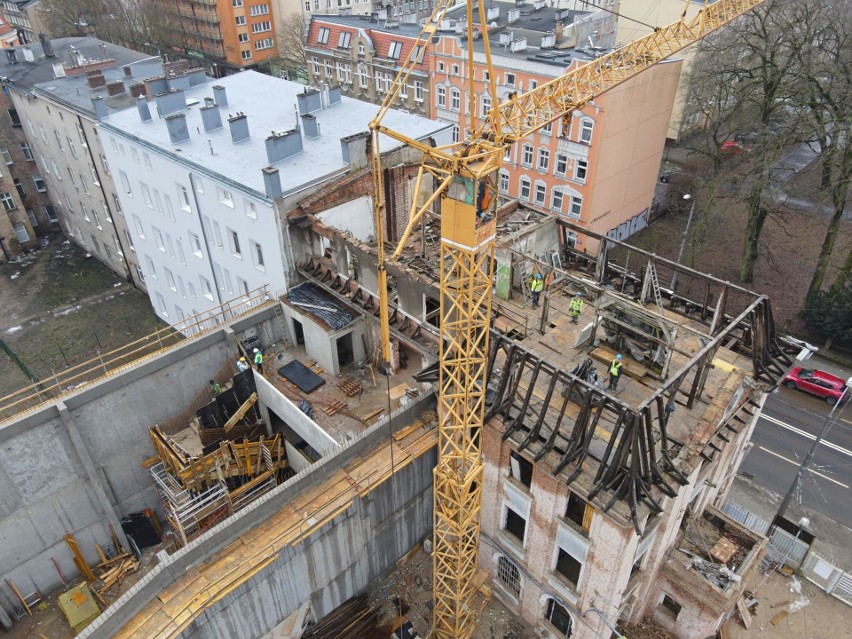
x=536 y=287
x=615 y=372
x=576 y=307
x=258 y=360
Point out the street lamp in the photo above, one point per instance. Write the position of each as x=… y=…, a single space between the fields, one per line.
x=686 y=198
x=806 y=463
x=160 y=53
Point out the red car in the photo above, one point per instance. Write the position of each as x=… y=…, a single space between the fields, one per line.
x=816 y=382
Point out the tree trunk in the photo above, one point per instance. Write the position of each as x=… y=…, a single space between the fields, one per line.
x=825 y=254
x=756 y=218
x=843 y=275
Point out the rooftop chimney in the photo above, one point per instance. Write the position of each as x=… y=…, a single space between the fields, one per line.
x=116 y=87
x=58 y=70
x=179 y=82
x=12 y=55
x=99 y=106
x=210 y=116
x=239 y=127
x=333 y=96
x=76 y=57
x=28 y=54
x=310 y=100
x=128 y=71
x=142 y=107
x=46 y=45
x=272 y=182
x=178 y=131
x=354 y=149
x=171 y=102
x=220 y=96
x=311 y=126
x=95 y=79
x=283 y=144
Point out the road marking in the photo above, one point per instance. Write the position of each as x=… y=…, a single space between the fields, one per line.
x=795 y=463
x=806 y=435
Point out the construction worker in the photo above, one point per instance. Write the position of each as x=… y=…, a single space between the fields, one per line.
x=242 y=365
x=536 y=286
x=615 y=372
x=258 y=360
x=215 y=387
x=576 y=306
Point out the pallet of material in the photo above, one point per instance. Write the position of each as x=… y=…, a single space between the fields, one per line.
x=349 y=387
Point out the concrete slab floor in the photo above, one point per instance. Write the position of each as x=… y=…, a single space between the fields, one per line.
x=360 y=410
x=412 y=581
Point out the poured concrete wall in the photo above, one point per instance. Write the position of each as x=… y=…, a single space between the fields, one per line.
x=74 y=465
x=336 y=562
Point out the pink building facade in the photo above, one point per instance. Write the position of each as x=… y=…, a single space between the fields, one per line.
x=600 y=171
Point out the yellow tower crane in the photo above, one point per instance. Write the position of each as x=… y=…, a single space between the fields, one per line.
x=463 y=178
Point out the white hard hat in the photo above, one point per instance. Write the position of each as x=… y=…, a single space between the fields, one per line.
x=255 y=350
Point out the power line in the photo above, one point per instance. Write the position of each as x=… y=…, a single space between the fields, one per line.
x=618 y=15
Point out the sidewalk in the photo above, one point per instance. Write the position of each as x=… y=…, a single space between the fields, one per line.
x=833 y=540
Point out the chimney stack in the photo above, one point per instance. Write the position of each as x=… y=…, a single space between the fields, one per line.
x=99 y=106
x=178 y=131
x=12 y=56
x=210 y=116
x=354 y=149
x=559 y=30
x=142 y=107
x=46 y=45
x=283 y=144
x=128 y=72
x=239 y=127
x=272 y=182
x=310 y=100
x=333 y=96
x=171 y=102
x=116 y=87
x=220 y=96
x=311 y=126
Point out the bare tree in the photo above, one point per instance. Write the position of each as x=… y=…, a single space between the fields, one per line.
x=291 y=42
x=114 y=21
x=824 y=76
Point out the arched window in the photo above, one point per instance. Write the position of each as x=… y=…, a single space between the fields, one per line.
x=509 y=575
x=559 y=618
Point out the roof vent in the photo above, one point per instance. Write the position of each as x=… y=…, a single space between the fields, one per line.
x=239 y=127
x=28 y=54
x=178 y=131
x=12 y=56
x=283 y=144
x=58 y=70
x=220 y=95
x=128 y=71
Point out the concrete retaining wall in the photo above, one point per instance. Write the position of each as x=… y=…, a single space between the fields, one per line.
x=336 y=562
x=74 y=466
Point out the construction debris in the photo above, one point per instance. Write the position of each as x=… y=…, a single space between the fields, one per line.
x=113 y=571
x=354 y=619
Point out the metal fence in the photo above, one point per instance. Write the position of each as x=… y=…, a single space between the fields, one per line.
x=796 y=553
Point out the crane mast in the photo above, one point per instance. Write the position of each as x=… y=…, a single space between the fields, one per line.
x=463 y=177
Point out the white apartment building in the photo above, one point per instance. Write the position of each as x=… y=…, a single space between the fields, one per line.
x=205 y=177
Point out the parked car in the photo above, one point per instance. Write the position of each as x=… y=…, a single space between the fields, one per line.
x=732 y=147
x=817 y=382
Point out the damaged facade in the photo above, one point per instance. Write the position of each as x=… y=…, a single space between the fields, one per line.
x=600 y=500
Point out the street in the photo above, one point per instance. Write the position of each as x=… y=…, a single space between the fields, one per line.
x=784 y=434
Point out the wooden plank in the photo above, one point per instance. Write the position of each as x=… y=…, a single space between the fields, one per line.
x=241 y=412
x=778 y=618
x=745 y=615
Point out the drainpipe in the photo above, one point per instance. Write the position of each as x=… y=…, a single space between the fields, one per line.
x=603 y=618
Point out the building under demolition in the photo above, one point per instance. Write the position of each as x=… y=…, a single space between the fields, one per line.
x=314 y=478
